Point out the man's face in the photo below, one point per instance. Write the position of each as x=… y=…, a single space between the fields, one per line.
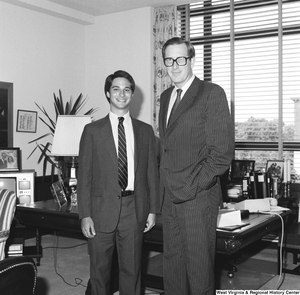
x=179 y=74
x=120 y=95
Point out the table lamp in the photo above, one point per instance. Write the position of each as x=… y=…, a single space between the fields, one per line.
x=65 y=144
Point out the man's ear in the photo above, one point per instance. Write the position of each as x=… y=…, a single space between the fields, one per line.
x=193 y=61
x=108 y=94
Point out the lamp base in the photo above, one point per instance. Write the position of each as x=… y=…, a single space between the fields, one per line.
x=70 y=179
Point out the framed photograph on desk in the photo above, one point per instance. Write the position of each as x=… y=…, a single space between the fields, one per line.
x=275 y=168
x=9 y=159
x=239 y=168
x=59 y=193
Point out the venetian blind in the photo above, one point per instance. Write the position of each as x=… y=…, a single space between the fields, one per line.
x=252 y=49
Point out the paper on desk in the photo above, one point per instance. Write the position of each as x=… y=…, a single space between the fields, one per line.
x=229 y=218
x=278 y=209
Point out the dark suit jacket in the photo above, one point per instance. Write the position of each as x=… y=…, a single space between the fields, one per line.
x=98 y=189
x=198 y=144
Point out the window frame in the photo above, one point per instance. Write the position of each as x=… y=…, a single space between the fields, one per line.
x=185 y=11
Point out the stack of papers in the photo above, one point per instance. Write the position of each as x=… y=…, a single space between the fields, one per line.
x=229 y=218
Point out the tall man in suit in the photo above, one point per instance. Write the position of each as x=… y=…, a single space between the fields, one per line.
x=196 y=147
x=114 y=212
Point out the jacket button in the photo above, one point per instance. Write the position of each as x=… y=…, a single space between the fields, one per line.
x=166 y=150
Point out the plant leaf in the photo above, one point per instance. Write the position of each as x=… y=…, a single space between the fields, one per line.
x=67 y=109
x=77 y=105
x=60 y=109
x=32 y=152
x=46 y=114
x=45 y=135
x=90 y=111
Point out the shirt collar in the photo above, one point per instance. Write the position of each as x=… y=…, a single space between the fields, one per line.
x=115 y=117
x=186 y=86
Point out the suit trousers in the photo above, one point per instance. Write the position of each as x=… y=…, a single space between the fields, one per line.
x=189 y=246
x=128 y=239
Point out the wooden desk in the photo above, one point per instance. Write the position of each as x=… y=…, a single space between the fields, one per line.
x=47 y=214
x=228 y=242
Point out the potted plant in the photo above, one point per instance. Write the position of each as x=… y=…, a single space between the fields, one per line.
x=60 y=109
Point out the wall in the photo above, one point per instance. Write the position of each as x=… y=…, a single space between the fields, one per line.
x=121 y=41
x=41 y=54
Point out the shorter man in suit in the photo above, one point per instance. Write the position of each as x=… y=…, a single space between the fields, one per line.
x=117 y=188
x=196 y=148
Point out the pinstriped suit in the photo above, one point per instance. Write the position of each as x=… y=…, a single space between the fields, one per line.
x=195 y=148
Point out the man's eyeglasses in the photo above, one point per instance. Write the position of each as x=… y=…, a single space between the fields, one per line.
x=181 y=61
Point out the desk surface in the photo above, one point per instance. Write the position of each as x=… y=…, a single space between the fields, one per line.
x=48 y=214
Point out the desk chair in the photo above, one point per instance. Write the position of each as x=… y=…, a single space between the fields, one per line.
x=291 y=244
x=17 y=274
x=7 y=211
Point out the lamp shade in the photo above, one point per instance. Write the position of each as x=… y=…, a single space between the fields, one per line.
x=67 y=135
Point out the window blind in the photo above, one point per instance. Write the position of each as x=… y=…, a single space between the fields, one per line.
x=252 y=49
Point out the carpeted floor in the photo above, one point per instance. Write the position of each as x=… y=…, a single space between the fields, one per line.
x=64 y=268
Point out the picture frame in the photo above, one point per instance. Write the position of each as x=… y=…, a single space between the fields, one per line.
x=10 y=159
x=275 y=168
x=59 y=193
x=26 y=121
x=239 y=168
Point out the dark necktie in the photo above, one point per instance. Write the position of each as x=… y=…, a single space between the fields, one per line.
x=176 y=103
x=122 y=160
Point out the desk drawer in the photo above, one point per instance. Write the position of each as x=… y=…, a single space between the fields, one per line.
x=58 y=222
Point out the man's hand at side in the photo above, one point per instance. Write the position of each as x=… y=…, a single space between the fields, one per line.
x=87 y=227
x=150 y=222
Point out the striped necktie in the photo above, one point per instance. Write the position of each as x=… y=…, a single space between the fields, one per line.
x=176 y=103
x=122 y=159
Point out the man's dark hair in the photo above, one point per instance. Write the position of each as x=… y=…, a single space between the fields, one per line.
x=177 y=41
x=118 y=74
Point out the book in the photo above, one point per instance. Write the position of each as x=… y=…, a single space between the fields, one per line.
x=15 y=249
x=253 y=191
x=261 y=185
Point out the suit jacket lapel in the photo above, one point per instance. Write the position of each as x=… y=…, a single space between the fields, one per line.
x=109 y=140
x=186 y=100
x=164 y=105
x=137 y=142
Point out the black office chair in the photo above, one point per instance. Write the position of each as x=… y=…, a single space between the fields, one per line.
x=17 y=276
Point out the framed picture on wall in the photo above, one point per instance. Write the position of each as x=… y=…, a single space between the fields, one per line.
x=9 y=159
x=275 y=168
x=26 y=121
x=239 y=168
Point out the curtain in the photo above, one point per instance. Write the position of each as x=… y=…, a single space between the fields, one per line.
x=164 y=28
